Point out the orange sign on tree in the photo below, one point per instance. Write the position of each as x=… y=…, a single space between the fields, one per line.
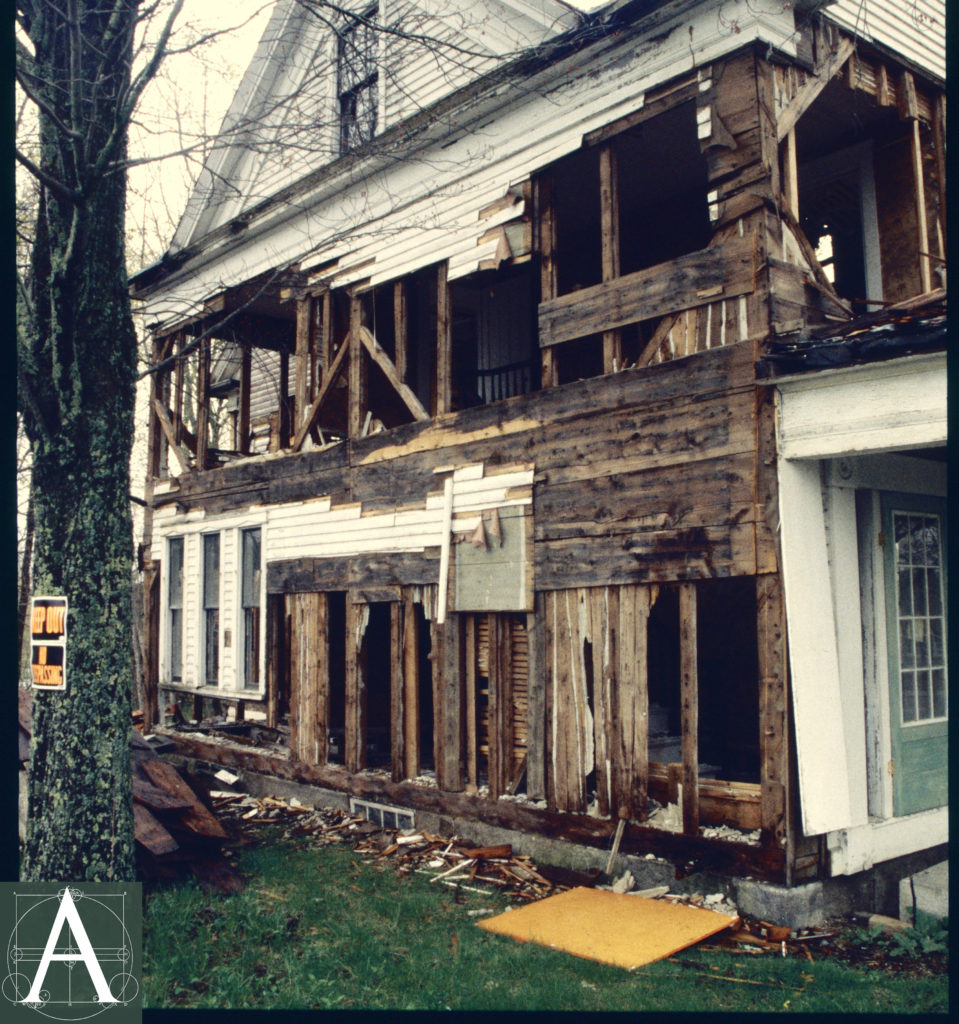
x=48 y=643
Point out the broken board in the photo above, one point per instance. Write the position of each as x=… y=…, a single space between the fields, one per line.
x=613 y=928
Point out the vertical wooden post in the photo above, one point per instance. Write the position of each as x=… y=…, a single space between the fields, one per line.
x=178 y=389
x=203 y=404
x=791 y=174
x=925 y=273
x=304 y=353
x=358 y=398
x=283 y=417
x=357 y=617
x=397 y=709
x=452 y=705
x=469 y=641
x=630 y=750
x=324 y=341
x=400 y=329
x=411 y=690
x=444 y=344
x=243 y=413
x=689 y=700
x=536 y=697
x=545 y=214
x=609 y=231
x=771 y=629
x=939 y=141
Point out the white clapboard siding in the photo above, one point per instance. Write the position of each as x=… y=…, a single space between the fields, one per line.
x=914 y=28
x=318 y=530
x=415 y=211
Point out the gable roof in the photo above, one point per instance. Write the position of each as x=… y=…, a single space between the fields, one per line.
x=282 y=122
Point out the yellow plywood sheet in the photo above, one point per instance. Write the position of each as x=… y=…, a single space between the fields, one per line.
x=614 y=928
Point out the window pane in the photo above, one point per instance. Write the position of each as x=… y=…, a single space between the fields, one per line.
x=930 y=538
x=918 y=591
x=905 y=592
x=176 y=572
x=934 y=591
x=936 y=647
x=901 y=530
x=920 y=635
x=212 y=667
x=211 y=571
x=906 y=653
x=908 y=696
x=923 y=697
x=251 y=568
x=176 y=644
x=939 y=693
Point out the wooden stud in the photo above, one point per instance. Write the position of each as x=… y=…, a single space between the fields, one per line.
x=791 y=175
x=908 y=101
x=309 y=677
x=170 y=434
x=304 y=359
x=604 y=717
x=283 y=419
x=324 y=340
x=400 y=329
x=609 y=233
x=411 y=689
x=357 y=618
x=444 y=344
x=885 y=92
x=939 y=141
x=178 y=389
x=243 y=412
x=383 y=361
x=689 y=700
x=925 y=275
x=808 y=92
x=397 y=703
x=771 y=632
x=358 y=399
x=536 y=702
x=545 y=215
x=326 y=389
x=449 y=776
x=203 y=404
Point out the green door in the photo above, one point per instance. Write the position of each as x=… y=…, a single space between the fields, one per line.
x=915 y=565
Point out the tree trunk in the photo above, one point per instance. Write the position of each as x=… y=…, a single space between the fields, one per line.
x=77 y=379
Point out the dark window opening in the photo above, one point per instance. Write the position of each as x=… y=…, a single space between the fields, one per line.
x=421 y=336
x=495 y=352
x=211 y=608
x=377 y=648
x=336 y=630
x=728 y=679
x=579 y=359
x=662 y=186
x=357 y=80
x=576 y=207
x=175 y=606
x=250 y=606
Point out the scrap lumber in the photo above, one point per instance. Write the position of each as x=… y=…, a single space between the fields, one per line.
x=150 y=833
x=197 y=818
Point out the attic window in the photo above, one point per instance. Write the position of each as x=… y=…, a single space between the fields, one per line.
x=357 y=80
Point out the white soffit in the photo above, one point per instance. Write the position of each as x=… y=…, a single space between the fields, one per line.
x=874 y=407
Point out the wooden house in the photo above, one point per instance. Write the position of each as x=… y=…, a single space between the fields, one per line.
x=496 y=458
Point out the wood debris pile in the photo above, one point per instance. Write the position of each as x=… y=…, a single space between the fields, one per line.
x=174 y=829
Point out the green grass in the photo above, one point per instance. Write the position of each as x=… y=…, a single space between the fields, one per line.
x=316 y=928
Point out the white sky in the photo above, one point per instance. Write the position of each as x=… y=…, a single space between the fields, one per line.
x=187 y=103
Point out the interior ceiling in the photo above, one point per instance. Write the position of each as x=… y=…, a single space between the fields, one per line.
x=841 y=117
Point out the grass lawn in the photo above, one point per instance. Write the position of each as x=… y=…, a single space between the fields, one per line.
x=318 y=928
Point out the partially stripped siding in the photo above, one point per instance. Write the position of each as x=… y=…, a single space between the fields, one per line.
x=915 y=28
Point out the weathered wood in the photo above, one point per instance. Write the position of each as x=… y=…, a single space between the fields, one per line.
x=791 y=175
x=771 y=630
x=397 y=703
x=630 y=696
x=170 y=434
x=304 y=359
x=157 y=799
x=738 y=858
x=609 y=240
x=657 y=102
x=471 y=712
x=324 y=341
x=243 y=401
x=444 y=343
x=603 y=635
x=544 y=213
x=449 y=767
x=536 y=703
x=899 y=228
x=309 y=677
x=150 y=834
x=391 y=373
x=197 y=819
x=357 y=619
x=919 y=191
x=325 y=390
x=400 y=329
x=721 y=271
x=178 y=396
x=689 y=705
x=411 y=690
x=358 y=396
x=806 y=95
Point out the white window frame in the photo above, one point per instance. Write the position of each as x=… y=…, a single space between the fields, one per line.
x=202 y=610
x=238 y=620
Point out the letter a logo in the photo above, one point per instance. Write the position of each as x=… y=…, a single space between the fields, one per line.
x=68 y=914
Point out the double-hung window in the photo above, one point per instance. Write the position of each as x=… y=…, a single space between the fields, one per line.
x=357 y=80
x=211 y=609
x=250 y=568
x=175 y=607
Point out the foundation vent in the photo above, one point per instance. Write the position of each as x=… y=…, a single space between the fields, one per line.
x=382 y=814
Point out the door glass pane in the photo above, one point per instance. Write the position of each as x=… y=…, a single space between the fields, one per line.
x=920 y=612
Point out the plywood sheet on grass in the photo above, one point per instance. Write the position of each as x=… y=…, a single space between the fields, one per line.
x=614 y=928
